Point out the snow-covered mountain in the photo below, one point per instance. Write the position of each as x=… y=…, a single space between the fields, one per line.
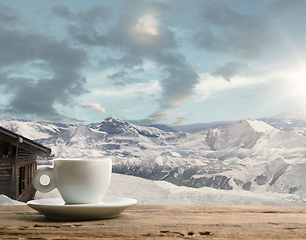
x=35 y=129
x=248 y=155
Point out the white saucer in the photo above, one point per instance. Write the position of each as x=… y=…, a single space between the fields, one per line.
x=55 y=208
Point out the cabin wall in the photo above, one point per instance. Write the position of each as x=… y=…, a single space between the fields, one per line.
x=20 y=187
x=26 y=166
x=18 y=164
x=5 y=172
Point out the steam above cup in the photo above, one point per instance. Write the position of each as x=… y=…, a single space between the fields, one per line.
x=79 y=181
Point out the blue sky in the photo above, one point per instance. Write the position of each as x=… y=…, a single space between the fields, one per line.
x=172 y=62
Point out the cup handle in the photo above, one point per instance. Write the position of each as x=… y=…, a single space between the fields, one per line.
x=36 y=179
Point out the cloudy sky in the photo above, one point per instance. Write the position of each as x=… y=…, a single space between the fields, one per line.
x=160 y=61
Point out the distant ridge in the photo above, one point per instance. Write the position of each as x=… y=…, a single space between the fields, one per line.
x=162 y=127
x=299 y=113
x=198 y=126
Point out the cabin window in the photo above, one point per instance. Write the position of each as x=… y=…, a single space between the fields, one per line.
x=21 y=179
x=25 y=176
x=29 y=174
x=31 y=170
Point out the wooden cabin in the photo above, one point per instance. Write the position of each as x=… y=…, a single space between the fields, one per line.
x=18 y=164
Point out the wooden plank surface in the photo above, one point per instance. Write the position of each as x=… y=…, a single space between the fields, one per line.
x=162 y=222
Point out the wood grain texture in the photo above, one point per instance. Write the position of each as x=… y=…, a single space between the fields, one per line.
x=162 y=222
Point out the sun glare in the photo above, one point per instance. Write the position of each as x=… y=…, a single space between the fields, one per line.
x=147 y=24
x=300 y=81
x=299 y=85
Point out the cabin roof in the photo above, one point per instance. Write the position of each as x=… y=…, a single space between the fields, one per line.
x=24 y=143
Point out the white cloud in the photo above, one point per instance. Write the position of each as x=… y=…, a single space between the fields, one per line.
x=95 y=106
x=144 y=88
x=213 y=85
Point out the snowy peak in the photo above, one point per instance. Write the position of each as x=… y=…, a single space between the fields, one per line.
x=112 y=125
x=259 y=126
x=13 y=118
x=246 y=125
x=113 y=120
x=244 y=133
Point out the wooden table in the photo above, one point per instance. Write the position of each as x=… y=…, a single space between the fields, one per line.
x=162 y=222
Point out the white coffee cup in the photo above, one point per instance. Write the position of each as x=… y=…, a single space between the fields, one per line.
x=77 y=180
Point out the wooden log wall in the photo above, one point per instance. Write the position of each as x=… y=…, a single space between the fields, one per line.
x=26 y=166
x=5 y=172
x=20 y=188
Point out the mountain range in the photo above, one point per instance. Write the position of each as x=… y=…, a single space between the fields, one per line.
x=256 y=155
